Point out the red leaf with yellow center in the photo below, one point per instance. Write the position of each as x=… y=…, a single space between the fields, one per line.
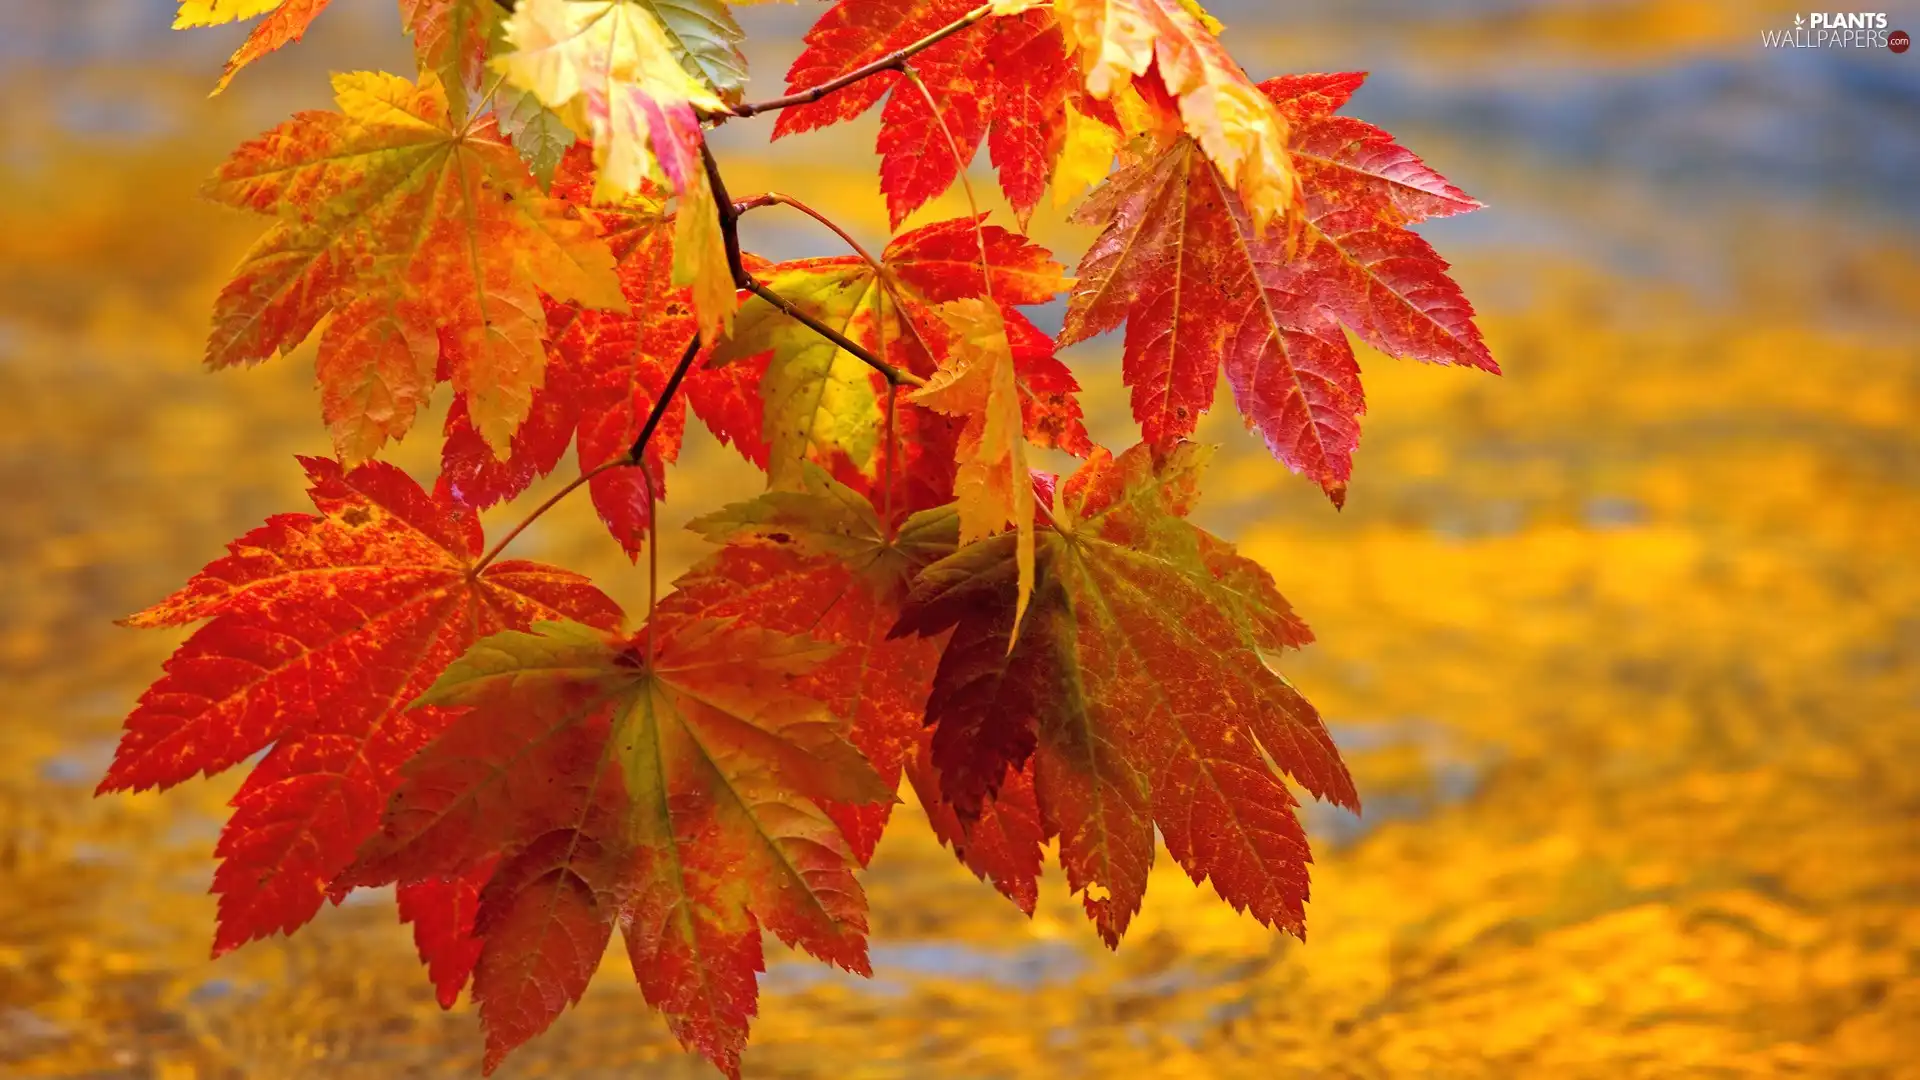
x=671 y=783
x=1007 y=82
x=406 y=226
x=1202 y=290
x=825 y=405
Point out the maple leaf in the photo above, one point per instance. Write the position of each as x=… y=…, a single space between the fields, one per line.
x=1000 y=840
x=1008 y=82
x=1174 y=43
x=707 y=40
x=670 y=783
x=825 y=404
x=1140 y=691
x=1201 y=290
x=610 y=70
x=410 y=228
x=542 y=138
x=442 y=911
x=450 y=39
x=819 y=562
x=319 y=631
x=994 y=486
x=286 y=22
x=605 y=371
x=1086 y=156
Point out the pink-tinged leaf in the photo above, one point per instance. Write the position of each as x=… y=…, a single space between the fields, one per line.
x=1203 y=291
x=1392 y=289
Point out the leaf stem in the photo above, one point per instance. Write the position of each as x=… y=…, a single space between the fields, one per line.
x=779 y=198
x=659 y=410
x=552 y=501
x=960 y=168
x=892 y=374
x=893 y=61
x=634 y=456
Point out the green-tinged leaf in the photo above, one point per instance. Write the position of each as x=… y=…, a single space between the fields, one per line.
x=535 y=130
x=707 y=40
x=671 y=783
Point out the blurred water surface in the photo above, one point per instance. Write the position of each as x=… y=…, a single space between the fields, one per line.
x=1624 y=646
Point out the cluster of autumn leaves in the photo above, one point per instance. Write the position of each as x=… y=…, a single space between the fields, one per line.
x=535 y=219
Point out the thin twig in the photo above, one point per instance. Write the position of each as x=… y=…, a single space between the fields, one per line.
x=960 y=168
x=653 y=557
x=552 y=500
x=859 y=352
x=771 y=198
x=893 y=61
x=779 y=198
x=635 y=456
x=659 y=409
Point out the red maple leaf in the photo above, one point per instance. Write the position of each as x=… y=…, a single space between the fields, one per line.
x=999 y=839
x=1006 y=81
x=604 y=372
x=319 y=632
x=1202 y=290
x=442 y=911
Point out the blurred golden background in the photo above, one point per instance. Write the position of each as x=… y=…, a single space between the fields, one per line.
x=1624 y=647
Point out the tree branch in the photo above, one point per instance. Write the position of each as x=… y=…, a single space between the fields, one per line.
x=636 y=456
x=893 y=61
x=729 y=214
x=893 y=374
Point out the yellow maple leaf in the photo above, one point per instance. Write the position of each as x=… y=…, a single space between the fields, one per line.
x=413 y=232
x=609 y=70
x=700 y=259
x=820 y=400
x=994 y=486
x=215 y=12
x=1086 y=156
x=1241 y=130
